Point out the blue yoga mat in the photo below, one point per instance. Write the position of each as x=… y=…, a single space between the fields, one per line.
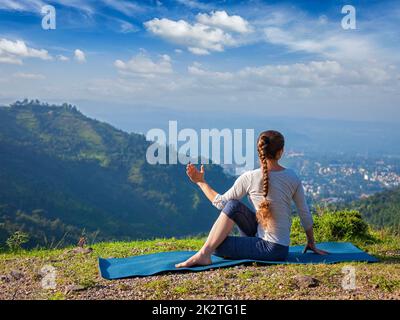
x=152 y=264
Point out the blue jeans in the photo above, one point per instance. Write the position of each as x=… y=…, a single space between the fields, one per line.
x=248 y=246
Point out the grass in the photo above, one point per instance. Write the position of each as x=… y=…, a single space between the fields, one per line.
x=374 y=281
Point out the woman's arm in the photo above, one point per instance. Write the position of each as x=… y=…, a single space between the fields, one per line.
x=208 y=191
x=237 y=192
x=306 y=220
x=197 y=177
x=311 y=243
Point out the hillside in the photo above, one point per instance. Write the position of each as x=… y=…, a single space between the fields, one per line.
x=77 y=277
x=381 y=209
x=63 y=174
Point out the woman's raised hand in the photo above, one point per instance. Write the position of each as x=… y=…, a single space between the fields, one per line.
x=195 y=175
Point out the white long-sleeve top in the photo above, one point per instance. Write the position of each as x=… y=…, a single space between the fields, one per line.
x=284 y=187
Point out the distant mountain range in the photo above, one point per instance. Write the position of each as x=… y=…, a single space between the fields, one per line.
x=62 y=173
x=303 y=134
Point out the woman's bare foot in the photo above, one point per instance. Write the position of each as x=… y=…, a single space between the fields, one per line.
x=199 y=259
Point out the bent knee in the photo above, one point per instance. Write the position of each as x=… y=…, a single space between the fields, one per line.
x=232 y=207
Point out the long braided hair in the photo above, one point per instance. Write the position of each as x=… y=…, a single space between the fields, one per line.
x=268 y=146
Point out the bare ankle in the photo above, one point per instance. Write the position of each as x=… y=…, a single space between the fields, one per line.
x=206 y=251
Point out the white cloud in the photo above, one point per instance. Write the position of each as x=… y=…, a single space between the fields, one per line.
x=35 y=6
x=325 y=40
x=142 y=65
x=10 y=60
x=309 y=75
x=21 y=5
x=199 y=51
x=322 y=19
x=221 y=19
x=196 y=35
x=297 y=42
x=194 y=4
x=196 y=69
x=61 y=57
x=79 y=56
x=128 y=8
x=13 y=52
x=29 y=76
x=126 y=27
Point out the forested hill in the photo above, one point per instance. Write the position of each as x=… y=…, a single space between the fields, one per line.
x=381 y=209
x=62 y=173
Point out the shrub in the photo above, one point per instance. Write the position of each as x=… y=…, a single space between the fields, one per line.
x=334 y=226
x=16 y=240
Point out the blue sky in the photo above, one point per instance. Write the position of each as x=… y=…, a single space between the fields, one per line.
x=281 y=58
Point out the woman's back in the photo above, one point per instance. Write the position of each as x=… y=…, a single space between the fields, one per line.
x=284 y=187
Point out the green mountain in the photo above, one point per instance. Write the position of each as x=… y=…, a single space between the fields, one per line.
x=381 y=209
x=62 y=173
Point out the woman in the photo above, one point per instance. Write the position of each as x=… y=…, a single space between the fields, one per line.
x=270 y=189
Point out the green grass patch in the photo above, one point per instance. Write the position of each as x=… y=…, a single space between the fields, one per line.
x=385 y=284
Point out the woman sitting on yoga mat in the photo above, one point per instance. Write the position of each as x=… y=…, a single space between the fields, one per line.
x=270 y=189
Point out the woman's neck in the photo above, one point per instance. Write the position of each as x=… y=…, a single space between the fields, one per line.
x=273 y=165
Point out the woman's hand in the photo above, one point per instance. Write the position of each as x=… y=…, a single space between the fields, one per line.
x=195 y=175
x=312 y=247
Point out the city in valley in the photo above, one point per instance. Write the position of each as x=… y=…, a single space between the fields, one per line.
x=332 y=178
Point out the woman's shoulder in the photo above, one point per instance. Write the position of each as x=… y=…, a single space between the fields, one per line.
x=250 y=174
x=292 y=175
